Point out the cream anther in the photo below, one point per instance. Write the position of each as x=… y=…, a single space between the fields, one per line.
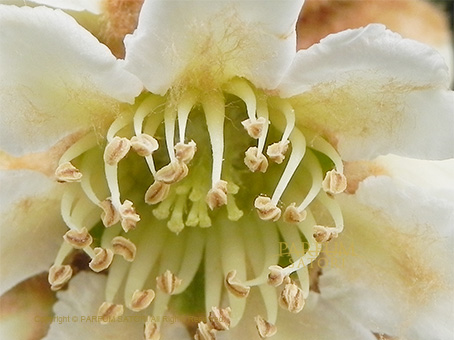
x=110 y=215
x=185 y=152
x=168 y=282
x=124 y=247
x=144 y=144
x=59 y=275
x=276 y=151
x=234 y=286
x=141 y=299
x=128 y=215
x=157 y=192
x=255 y=160
x=255 y=127
x=204 y=332
x=217 y=196
x=266 y=210
x=78 y=238
x=334 y=182
x=324 y=234
x=67 y=172
x=276 y=276
x=151 y=331
x=173 y=172
x=116 y=150
x=266 y=329
x=293 y=215
x=102 y=260
x=292 y=298
x=108 y=312
x=219 y=318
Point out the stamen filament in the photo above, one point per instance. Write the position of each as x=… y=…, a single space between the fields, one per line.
x=78 y=148
x=317 y=176
x=147 y=107
x=333 y=208
x=169 y=122
x=289 y=114
x=262 y=112
x=319 y=144
x=240 y=88
x=185 y=106
x=117 y=273
x=213 y=278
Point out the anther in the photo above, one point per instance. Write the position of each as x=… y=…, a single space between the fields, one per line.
x=108 y=312
x=204 y=332
x=157 y=192
x=144 y=144
x=324 y=234
x=255 y=127
x=185 y=152
x=110 y=215
x=102 y=260
x=334 y=182
x=292 y=298
x=141 y=299
x=219 y=318
x=78 y=238
x=276 y=276
x=116 y=150
x=217 y=195
x=172 y=172
x=266 y=329
x=276 y=152
x=293 y=215
x=66 y=172
x=255 y=160
x=236 y=288
x=266 y=210
x=151 y=331
x=59 y=275
x=124 y=247
x=129 y=217
x=168 y=282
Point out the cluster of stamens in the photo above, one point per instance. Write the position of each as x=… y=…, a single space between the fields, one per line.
x=183 y=197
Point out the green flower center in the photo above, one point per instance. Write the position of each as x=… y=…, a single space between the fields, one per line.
x=200 y=187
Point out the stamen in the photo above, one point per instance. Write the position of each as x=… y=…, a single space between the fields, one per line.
x=334 y=182
x=255 y=160
x=144 y=145
x=214 y=108
x=289 y=113
x=148 y=106
x=235 y=287
x=173 y=172
x=255 y=127
x=262 y=112
x=267 y=210
x=110 y=216
x=333 y=208
x=78 y=238
x=151 y=330
x=323 y=234
x=168 y=282
x=213 y=278
x=292 y=214
x=116 y=150
x=78 y=148
x=276 y=276
x=169 y=123
x=128 y=215
x=291 y=298
x=276 y=151
x=217 y=195
x=185 y=152
x=157 y=192
x=141 y=299
x=319 y=144
x=108 y=312
x=124 y=247
x=265 y=328
x=185 y=105
x=66 y=172
x=219 y=318
x=59 y=275
x=299 y=149
x=102 y=259
x=204 y=332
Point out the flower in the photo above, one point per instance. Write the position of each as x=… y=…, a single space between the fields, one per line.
x=164 y=157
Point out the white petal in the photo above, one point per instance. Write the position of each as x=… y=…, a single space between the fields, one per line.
x=31 y=225
x=211 y=41
x=55 y=78
x=93 y=6
x=391 y=268
x=374 y=93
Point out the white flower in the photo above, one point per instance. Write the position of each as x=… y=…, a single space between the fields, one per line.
x=161 y=168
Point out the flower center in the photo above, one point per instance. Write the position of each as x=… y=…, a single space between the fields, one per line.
x=176 y=182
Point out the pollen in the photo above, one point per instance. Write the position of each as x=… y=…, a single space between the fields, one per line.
x=166 y=200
